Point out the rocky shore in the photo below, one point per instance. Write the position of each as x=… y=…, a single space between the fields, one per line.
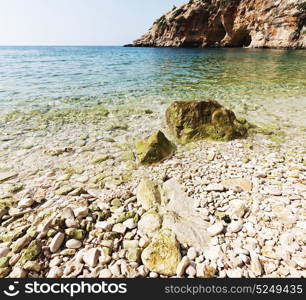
x=230 y=23
x=97 y=194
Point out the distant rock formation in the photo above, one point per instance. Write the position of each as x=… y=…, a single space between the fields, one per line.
x=230 y=23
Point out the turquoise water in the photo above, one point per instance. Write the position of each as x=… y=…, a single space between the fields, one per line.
x=40 y=77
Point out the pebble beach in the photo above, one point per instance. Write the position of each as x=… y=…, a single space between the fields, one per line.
x=70 y=203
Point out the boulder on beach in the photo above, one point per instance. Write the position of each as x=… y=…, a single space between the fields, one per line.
x=163 y=254
x=154 y=149
x=171 y=209
x=195 y=120
x=148 y=194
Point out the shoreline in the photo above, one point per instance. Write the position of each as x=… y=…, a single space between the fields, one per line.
x=90 y=168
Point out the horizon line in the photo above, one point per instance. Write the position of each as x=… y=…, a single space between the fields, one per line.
x=64 y=45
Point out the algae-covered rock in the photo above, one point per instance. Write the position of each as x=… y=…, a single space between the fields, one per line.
x=154 y=149
x=74 y=233
x=4 y=272
x=148 y=194
x=196 y=120
x=31 y=252
x=64 y=190
x=163 y=254
x=4 y=262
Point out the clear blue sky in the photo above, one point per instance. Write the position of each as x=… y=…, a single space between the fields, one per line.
x=78 y=22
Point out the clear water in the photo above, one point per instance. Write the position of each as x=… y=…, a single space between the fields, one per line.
x=245 y=79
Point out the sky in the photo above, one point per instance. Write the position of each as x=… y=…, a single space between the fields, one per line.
x=78 y=22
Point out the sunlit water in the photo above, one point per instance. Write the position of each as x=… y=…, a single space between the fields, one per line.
x=251 y=81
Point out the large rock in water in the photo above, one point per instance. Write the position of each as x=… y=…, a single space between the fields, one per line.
x=196 y=120
x=154 y=149
x=163 y=254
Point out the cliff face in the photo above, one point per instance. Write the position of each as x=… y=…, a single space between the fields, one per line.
x=230 y=23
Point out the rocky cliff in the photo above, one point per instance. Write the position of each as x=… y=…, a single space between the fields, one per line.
x=230 y=23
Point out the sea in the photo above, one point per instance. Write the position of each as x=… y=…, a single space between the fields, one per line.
x=261 y=82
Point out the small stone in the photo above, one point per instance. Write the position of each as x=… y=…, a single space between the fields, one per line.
x=67 y=213
x=192 y=253
x=4 y=252
x=130 y=223
x=81 y=212
x=91 y=257
x=234 y=273
x=205 y=271
x=105 y=273
x=77 y=234
x=55 y=272
x=191 y=271
x=256 y=265
x=215 y=187
x=237 y=209
x=25 y=202
x=235 y=226
x=18 y=272
x=4 y=176
x=64 y=190
x=14 y=259
x=215 y=229
x=120 y=228
x=212 y=253
x=181 y=268
x=57 y=242
x=300 y=262
x=21 y=243
x=104 y=225
x=238 y=184
x=72 y=223
x=73 y=244
x=4 y=262
x=148 y=194
x=68 y=252
x=32 y=266
x=55 y=261
x=133 y=251
x=143 y=271
x=105 y=258
x=301 y=225
x=274 y=191
x=4 y=272
x=149 y=223
x=153 y=275
x=115 y=270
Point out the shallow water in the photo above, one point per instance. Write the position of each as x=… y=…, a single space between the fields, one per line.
x=254 y=82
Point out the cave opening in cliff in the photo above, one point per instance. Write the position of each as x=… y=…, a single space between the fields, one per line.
x=242 y=38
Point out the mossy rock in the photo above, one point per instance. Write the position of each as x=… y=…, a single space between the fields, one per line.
x=74 y=233
x=101 y=158
x=148 y=194
x=196 y=120
x=123 y=217
x=4 y=272
x=31 y=252
x=4 y=262
x=163 y=254
x=154 y=149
